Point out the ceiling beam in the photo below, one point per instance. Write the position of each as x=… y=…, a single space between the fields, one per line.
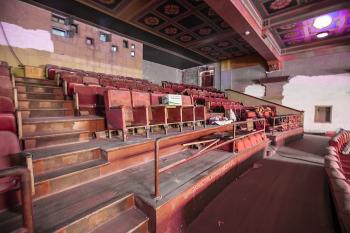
x=238 y=17
x=306 y=12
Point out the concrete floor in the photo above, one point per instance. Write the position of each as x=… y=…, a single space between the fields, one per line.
x=284 y=193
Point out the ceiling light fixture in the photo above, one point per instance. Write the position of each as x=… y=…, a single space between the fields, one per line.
x=322 y=35
x=247 y=33
x=322 y=21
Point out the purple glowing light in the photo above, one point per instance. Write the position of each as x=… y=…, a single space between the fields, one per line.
x=322 y=35
x=322 y=21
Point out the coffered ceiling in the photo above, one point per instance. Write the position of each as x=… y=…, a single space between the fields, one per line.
x=189 y=23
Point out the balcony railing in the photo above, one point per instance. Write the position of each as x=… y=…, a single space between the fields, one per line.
x=239 y=131
x=286 y=122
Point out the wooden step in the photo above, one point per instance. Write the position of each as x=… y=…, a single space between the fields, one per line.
x=44 y=104
x=40 y=96
x=47 y=112
x=54 y=125
x=49 y=139
x=120 y=214
x=24 y=88
x=55 y=162
x=67 y=177
x=35 y=81
x=130 y=221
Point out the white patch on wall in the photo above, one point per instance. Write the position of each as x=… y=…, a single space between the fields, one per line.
x=255 y=90
x=26 y=38
x=306 y=92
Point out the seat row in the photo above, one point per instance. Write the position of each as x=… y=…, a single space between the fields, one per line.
x=180 y=87
x=131 y=109
x=7 y=107
x=70 y=79
x=337 y=166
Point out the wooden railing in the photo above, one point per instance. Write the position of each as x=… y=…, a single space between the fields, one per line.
x=285 y=121
x=26 y=194
x=212 y=144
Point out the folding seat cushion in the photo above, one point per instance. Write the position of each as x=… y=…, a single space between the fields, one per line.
x=9 y=145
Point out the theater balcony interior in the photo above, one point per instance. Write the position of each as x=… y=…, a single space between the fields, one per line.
x=175 y=116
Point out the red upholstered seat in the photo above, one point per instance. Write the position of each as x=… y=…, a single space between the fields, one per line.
x=240 y=146
x=90 y=80
x=9 y=145
x=7 y=118
x=121 y=114
x=6 y=105
x=8 y=122
x=6 y=87
x=4 y=71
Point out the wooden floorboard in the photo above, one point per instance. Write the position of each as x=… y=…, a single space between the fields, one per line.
x=286 y=193
x=54 y=211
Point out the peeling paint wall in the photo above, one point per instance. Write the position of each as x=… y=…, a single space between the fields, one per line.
x=157 y=73
x=28 y=29
x=255 y=90
x=306 y=92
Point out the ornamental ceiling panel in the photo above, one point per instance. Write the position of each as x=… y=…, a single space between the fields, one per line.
x=191 y=24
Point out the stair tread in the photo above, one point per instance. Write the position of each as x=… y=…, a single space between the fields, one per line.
x=69 y=169
x=127 y=221
x=52 y=134
x=40 y=93
x=27 y=84
x=44 y=100
x=35 y=120
x=47 y=109
x=43 y=153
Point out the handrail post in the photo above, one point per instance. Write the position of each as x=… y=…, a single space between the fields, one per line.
x=273 y=125
x=156 y=169
x=234 y=136
x=26 y=194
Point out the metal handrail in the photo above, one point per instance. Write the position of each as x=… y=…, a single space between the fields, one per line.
x=26 y=193
x=285 y=117
x=212 y=146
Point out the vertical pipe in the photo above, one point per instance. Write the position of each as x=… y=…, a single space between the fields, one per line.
x=234 y=136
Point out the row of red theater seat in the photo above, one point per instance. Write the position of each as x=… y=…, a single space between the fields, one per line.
x=7 y=108
x=127 y=109
x=223 y=103
x=249 y=141
x=180 y=87
x=337 y=166
x=71 y=79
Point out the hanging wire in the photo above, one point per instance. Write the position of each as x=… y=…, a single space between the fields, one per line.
x=9 y=45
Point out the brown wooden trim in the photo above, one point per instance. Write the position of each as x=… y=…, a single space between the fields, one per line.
x=273 y=103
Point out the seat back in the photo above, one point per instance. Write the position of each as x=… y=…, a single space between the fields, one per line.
x=117 y=98
x=90 y=80
x=156 y=98
x=186 y=100
x=140 y=98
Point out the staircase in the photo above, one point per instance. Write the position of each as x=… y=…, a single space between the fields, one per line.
x=48 y=119
x=66 y=155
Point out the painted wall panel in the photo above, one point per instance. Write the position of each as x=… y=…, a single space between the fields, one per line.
x=306 y=92
x=157 y=73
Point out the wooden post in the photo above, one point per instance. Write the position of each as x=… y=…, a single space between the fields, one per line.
x=156 y=169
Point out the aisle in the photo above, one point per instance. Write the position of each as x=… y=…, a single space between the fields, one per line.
x=285 y=193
